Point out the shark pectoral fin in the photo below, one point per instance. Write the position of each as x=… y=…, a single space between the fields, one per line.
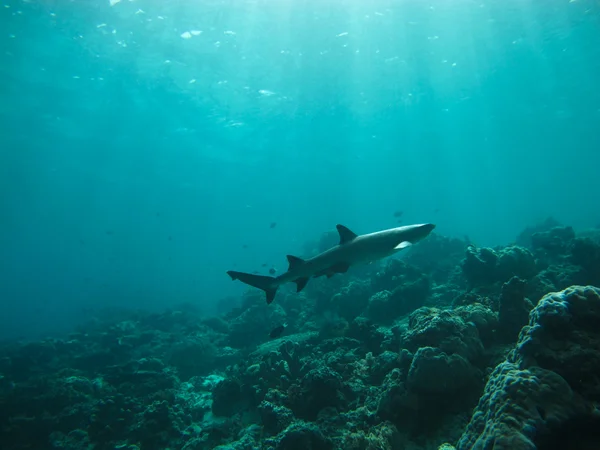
x=294 y=262
x=336 y=268
x=300 y=283
x=346 y=235
x=402 y=245
x=270 y=295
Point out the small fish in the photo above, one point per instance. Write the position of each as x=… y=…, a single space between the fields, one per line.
x=398 y=213
x=276 y=332
x=170 y=238
x=437 y=210
x=273 y=224
x=109 y=232
x=265 y=265
x=272 y=271
x=245 y=246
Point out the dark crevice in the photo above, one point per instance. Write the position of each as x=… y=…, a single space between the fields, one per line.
x=579 y=433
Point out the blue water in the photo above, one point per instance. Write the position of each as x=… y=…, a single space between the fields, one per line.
x=146 y=147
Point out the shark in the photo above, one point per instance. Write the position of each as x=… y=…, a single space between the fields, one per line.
x=353 y=249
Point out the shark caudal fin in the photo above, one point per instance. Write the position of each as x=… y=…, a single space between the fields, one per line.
x=263 y=282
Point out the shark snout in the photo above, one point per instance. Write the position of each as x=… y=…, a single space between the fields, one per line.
x=430 y=226
x=425 y=230
x=427 y=227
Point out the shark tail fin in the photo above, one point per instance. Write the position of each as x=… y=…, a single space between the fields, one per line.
x=267 y=284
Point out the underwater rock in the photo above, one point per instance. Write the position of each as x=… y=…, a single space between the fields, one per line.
x=563 y=336
x=157 y=426
x=541 y=284
x=74 y=440
x=447 y=294
x=276 y=366
x=395 y=403
x=383 y=436
x=515 y=262
x=434 y=372
x=365 y=331
x=435 y=389
x=555 y=278
x=385 y=306
x=519 y=404
x=320 y=388
x=383 y=364
x=585 y=252
x=351 y=300
x=446 y=446
x=195 y=398
x=408 y=286
x=446 y=330
x=215 y=433
x=483 y=318
x=333 y=327
x=524 y=238
x=554 y=242
x=378 y=306
x=249 y=439
x=437 y=256
x=218 y=324
x=249 y=327
x=140 y=377
x=484 y=266
x=301 y=436
x=192 y=356
x=414 y=411
x=226 y=397
x=479 y=265
x=513 y=308
x=546 y=390
x=275 y=418
x=470 y=298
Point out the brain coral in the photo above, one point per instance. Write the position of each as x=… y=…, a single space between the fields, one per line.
x=546 y=392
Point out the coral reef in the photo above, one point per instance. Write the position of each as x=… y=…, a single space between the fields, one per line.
x=449 y=345
x=549 y=384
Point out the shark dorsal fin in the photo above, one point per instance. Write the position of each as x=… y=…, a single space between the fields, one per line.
x=294 y=262
x=346 y=234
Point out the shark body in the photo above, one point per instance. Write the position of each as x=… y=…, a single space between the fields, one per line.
x=352 y=250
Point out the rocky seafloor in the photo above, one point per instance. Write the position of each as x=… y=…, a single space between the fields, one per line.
x=451 y=346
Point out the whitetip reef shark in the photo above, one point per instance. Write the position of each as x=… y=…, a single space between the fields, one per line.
x=353 y=249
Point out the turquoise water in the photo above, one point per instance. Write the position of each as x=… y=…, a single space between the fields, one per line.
x=147 y=147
